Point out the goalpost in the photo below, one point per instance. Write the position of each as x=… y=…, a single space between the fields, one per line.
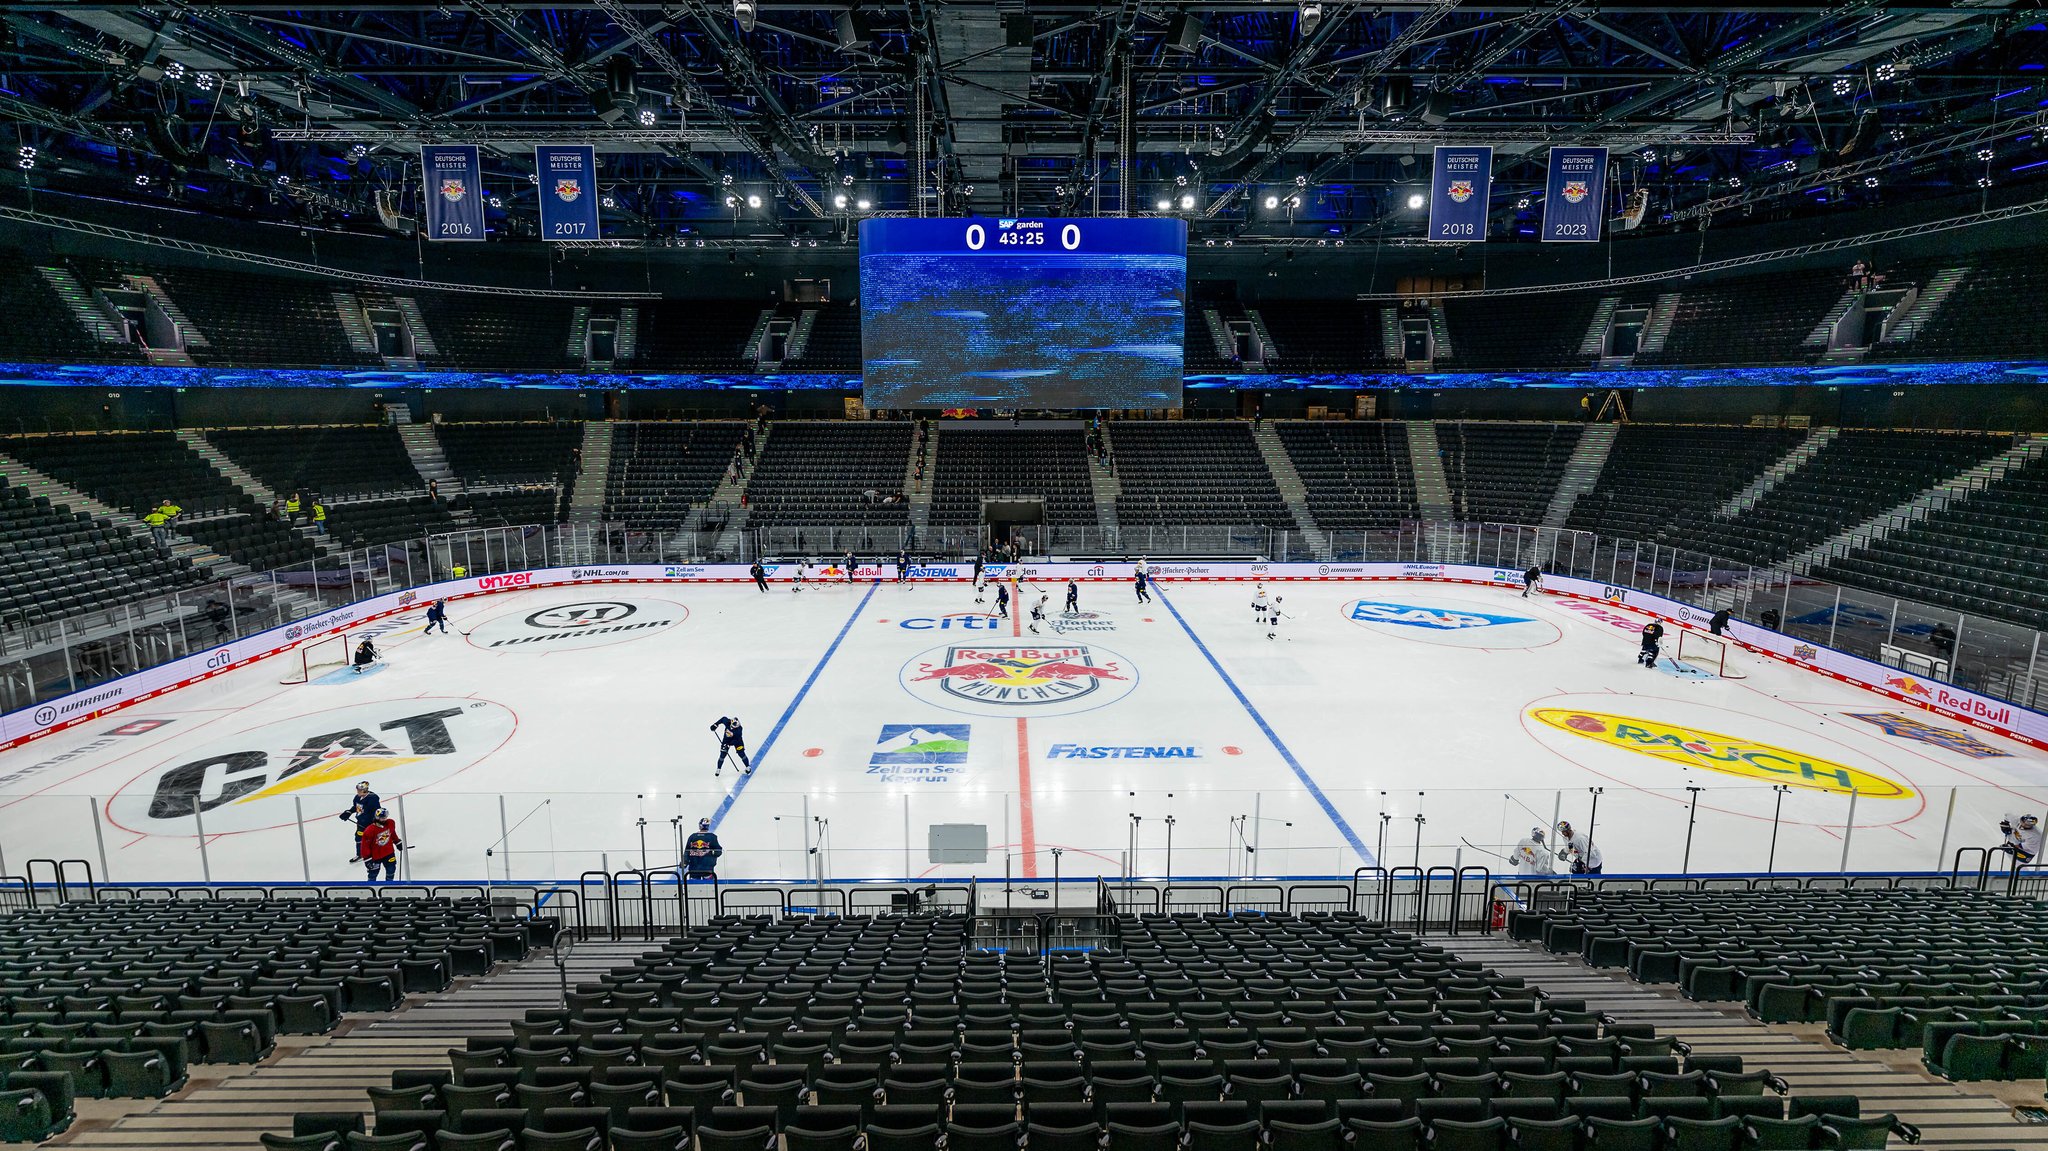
x=1708 y=653
x=317 y=657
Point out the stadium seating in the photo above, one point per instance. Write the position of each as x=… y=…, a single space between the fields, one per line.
x=660 y=470
x=250 y=319
x=1212 y=1031
x=510 y=506
x=137 y=471
x=118 y=998
x=39 y=326
x=816 y=474
x=1181 y=474
x=1504 y=473
x=1930 y=968
x=1987 y=555
x=1324 y=335
x=1356 y=474
x=1989 y=316
x=1856 y=476
x=1658 y=474
x=371 y=522
x=1753 y=320
x=56 y=562
x=498 y=332
x=834 y=341
x=332 y=461
x=697 y=335
x=999 y=461
x=512 y=453
x=1517 y=333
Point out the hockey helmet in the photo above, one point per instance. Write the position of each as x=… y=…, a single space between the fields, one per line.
x=2028 y=821
x=383 y=814
x=362 y=786
x=1536 y=835
x=1564 y=828
x=704 y=825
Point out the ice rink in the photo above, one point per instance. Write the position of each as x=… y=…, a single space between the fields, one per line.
x=566 y=730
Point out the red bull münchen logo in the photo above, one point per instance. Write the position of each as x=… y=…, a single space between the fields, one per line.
x=1008 y=679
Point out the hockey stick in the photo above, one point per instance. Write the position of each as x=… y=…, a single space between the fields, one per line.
x=1483 y=851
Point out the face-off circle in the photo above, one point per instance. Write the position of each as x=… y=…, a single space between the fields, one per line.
x=580 y=625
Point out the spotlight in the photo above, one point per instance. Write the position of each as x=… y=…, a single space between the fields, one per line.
x=1650 y=155
x=1311 y=16
x=1293 y=202
x=1983 y=181
x=839 y=201
x=1272 y=202
x=174 y=71
x=1339 y=243
x=795 y=243
x=647 y=117
x=1230 y=243
x=1789 y=166
x=1870 y=181
x=608 y=202
x=1886 y=71
x=1984 y=154
x=732 y=201
x=753 y=201
x=1522 y=205
x=1415 y=201
x=700 y=241
x=743 y=11
x=204 y=80
x=1208 y=243
x=1301 y=181
x=726 y=179
x=1735 y=181
x=359 y=151
x=863 y=203
x=1843 y=86
x=27 y=157
x=810 y=243
x=496 y=202
x=1187 y=201
x=1180 y=181
x=1164 y=204
x=283 y=181
x=142 y=181
x=846 y=180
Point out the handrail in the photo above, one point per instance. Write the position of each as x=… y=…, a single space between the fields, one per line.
x=610 y=895
x=1457 y=892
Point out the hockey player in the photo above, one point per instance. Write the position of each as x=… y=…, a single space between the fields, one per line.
x=2022 y=839
x=1259 y=602
x=1038 y=612
x=1273 y=615
x=701 y=852
x=437 y=616
x=1719 y=624
x=849 y=567
x=803 y=575
x=977 y=577
x=366 y=654
x=902 y=565
x=1532 y=580
x=731 y=741
x=1532 y=858
x=760 y=575
x=1139 y=579
x=1002 y=601
x=1578 y=851
x=1073 y=598
x=1653 y=635
x=364 y=809
x=377 y=846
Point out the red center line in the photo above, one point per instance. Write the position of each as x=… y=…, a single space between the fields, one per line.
x=1027 y=834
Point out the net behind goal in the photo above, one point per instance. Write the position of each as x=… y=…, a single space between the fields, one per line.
x=1710 y=654
x=317 y=657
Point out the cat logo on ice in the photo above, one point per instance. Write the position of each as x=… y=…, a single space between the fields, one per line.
x=1433 y=618
x=250 y=780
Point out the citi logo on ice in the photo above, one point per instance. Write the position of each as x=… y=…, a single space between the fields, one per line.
x=1433 y=618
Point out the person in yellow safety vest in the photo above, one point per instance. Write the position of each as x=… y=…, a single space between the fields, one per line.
x=291 y=505
x=158 y=529
x=171 y=511
x=460 y=571
x=319 y=517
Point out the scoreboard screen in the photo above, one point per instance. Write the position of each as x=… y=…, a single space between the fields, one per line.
x=1047 y=313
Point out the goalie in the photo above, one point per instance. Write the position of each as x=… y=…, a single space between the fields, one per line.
x=366 y=654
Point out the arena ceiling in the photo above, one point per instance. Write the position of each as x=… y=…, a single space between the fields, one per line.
x=1275 y=119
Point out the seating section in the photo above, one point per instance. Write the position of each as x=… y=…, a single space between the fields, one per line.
x=1987 y=317
x=1753 y=320
x=1505 y=473
x=1987 y=555
x=1180 y=474
x=1357 y=474
x=1324 y=335
x=1215 y=1031
x=697 y=335
x=371 y=522
x=511 y=506
x=1893 y=968
x=251 y=319
x=816 y=474
x=331 y=461
x=39 y=326
x=659 y=470
x=834 y=342
x=56 y=562
x=498 y=331
x=1855 y=477
x=119 y=998
x=512 y=453
x=1656 y=475
x=998 y=461
x=1517 y=333
x=138 y=471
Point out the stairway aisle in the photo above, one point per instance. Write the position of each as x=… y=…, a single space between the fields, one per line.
x=1948 y=1115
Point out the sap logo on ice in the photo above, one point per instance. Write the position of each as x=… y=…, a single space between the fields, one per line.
x=955 y=621
x=1434 y=618
x=1080 y=751
x=922 y=743
x=250 y=780
x=499 y=582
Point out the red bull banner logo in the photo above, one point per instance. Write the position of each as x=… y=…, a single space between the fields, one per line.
x=1018 y=679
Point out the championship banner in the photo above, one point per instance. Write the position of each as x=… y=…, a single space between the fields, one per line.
x=454 y=191
x=568 y=191
x=1458 y=187
x=1574 y=194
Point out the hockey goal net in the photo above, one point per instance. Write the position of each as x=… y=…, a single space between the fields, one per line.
x=1707 y=653
x=317 y=657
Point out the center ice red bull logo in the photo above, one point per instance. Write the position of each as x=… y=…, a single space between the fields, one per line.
x=1006 y=679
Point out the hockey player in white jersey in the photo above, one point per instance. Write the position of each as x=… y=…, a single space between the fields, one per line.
x=1532 y=857
x=1259 y=602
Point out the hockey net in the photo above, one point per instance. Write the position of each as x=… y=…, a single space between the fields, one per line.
x=1707 y=653
x=317 y=657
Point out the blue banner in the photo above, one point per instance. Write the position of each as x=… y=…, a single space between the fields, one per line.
x=454 y=191
x=1458 y=187
x=1575 y=195
x=568 y=190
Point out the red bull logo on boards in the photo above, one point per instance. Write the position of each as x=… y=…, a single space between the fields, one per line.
x=1009 y=679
